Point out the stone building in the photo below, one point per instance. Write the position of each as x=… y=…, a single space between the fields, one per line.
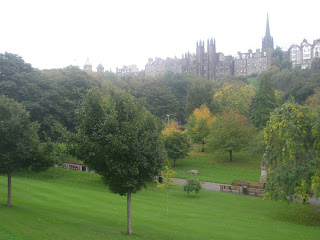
x=100 y=68
x=206 y=62
x=87 y=66
x=304 y=54
x=249 y=63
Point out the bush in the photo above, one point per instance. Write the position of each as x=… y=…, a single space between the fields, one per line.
x=192 y=185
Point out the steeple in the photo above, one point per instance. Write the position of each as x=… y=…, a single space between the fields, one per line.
x=267 y=28
x=267 y=41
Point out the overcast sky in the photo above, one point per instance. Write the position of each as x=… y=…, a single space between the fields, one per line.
x=55 y=34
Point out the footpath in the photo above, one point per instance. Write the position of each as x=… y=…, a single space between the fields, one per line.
x=216 y=187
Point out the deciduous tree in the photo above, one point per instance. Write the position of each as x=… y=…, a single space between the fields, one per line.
x=230 y=132
x=119 y=139
x=20 y=147
x=176 y=142
x=293 y=143
x=167 y=183
x=199 y=125
x=236 y=97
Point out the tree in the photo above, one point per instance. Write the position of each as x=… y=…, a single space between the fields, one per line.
x=292 y=144
x=119 y=139
x=192 y=185
x=264 y=103
x=167 y=183
x=176 y=142
x=235 y=97
x=199 y=93
x=20 y=147
x=199 y=125
x=230 y=132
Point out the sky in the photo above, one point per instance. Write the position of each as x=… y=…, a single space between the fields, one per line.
x=55 y=34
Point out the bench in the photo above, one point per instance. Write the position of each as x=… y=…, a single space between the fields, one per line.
x=230 y=188
x=253 y=188
x=248 y=184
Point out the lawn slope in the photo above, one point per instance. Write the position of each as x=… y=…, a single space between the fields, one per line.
x=78 y=206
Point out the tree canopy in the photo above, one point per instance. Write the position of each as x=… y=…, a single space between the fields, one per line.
x=264 y=102
x=230 y=132
x=20 y=147
x=292 y=144
x=176 y=142
x=119 y=139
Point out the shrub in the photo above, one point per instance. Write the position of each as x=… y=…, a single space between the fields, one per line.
x=192 y=185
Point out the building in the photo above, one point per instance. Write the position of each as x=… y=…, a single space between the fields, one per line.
x=303 y=55
x=213 y=65
x=131 y=70
x=87 y=67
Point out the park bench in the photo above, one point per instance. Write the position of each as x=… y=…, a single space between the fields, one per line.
x=253 y=188
x=230 y=188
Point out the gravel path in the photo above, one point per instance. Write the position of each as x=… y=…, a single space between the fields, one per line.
x=216 y=187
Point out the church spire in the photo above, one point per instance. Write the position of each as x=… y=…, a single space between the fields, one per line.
x=267 y=41
x=268 y=28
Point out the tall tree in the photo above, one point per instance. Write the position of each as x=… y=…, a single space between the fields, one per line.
x=264 y=103
x=293 y=143
x=119 y=139
x=176 y=142
x=19 y=143
x=230 y=132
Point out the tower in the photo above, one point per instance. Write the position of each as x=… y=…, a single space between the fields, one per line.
x=87 y=66
x=267 y=41
x=200 y=58
x=211 y=59
x=100 y=68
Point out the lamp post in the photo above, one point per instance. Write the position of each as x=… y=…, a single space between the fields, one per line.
x=168 y=120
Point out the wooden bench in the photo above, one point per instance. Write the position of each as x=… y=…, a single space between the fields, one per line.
x=253 y=188
x=230 y=188
x=248 y=184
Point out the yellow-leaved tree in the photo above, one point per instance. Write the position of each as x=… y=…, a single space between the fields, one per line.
x=199 y=125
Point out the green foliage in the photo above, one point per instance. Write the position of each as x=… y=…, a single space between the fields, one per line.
x=20 y=147
x=292 y=144
x=230 y=132
x=192 y=185
x=199 y=93
x=176 y=142
x=264 y=103
x=119 y=139
x=235 y=96
x=19 y=143
x=167 y=182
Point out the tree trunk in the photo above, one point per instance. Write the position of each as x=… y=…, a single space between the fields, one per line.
x=9 y=189
x=129 y=227
x=230 y=153
x=167 y=202
x=203 y=146
x=174 y=162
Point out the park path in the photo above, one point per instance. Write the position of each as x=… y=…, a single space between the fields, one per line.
x=216 y=187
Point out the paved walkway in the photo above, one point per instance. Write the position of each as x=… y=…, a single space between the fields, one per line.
x=216 y=187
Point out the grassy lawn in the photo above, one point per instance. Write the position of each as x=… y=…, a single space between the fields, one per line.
x=78 y=206
x=214 y=167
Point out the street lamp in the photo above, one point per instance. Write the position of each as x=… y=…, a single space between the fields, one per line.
x=168 y=120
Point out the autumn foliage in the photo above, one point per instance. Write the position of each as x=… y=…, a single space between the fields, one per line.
x=199 y=124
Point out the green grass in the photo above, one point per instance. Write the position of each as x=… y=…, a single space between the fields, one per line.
x=216 y=167
x=78 y=206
